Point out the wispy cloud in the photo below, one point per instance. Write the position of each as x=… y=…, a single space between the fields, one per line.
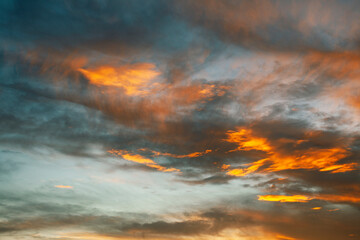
x=142 y=160
x=64 y=186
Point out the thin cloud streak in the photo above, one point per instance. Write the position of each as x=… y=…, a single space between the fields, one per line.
x=64 y=186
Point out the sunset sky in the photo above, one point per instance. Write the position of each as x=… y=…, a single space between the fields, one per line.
x=179 y=119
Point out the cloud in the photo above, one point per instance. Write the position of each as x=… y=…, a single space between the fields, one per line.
x=235 y=99
x=279 y=198
x=276 y=25
x=190 y=155
x=301 y=198
x=142 y=160
x=176 y=228
x=295 y=156
x=64 y=186
x=132 y=78
x=30 y=216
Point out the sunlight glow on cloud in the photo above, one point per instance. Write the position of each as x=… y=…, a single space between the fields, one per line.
x=303 y=198
x=283 y=198
x=135 y=78
x=316 y=208
x=324 y=160
x=247 y=141
x=190 y=155
x=142 y=160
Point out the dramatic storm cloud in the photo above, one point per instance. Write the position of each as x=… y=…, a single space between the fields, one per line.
x=183 y=120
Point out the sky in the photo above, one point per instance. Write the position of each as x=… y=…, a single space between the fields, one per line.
x=180 y=120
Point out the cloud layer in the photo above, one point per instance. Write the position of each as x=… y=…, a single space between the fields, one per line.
x=179 y=119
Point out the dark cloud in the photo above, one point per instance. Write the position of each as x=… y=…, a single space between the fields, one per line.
x=312 y=224
x=277 y=25
x=216 y=179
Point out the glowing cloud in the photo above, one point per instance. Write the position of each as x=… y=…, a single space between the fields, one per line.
x=190 y=155
x=277 y=160
x=316 y=208
x=247 y=141
x=142 y=160
x=322 y=159
x=340 y=168
x=135 y=78
x=283 y=198
x=303 y=198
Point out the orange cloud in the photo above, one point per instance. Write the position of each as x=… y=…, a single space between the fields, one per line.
x=225 y=166
x=337 y=168
x=316 y=208
x=142 y=160
x=134 y=78
x=247 y=141
x=247 y=170
x=190 y=155
x=303 y=198
x=64 y=186
x=277 y=160
x=339 y=198
x=155 y=101
x=283 y=198
x=322 y=159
